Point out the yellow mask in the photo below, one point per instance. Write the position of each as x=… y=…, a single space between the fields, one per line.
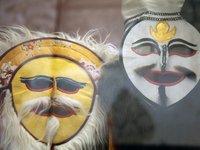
x=59 y=71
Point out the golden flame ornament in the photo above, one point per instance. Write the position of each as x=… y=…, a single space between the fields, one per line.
x=162 y=34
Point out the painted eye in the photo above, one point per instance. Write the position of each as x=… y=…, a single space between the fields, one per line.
x=181 y=50
x=42 y=83
x=146 y=49
x=68 y=87
x=38 y=85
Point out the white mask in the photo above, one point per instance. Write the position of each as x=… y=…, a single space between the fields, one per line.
x=161 y=60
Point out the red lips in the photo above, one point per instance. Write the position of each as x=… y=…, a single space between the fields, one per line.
x=56 y=110
x=164 y=78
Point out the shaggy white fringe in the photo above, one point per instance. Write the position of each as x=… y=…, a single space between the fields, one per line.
x=94 y=132
x=51 y=129
x=28 y=106
x=15 y=137
x=45 y=102
x=11 y=36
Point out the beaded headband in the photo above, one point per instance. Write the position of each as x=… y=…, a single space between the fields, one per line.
x=152 y=16
x=134 y=11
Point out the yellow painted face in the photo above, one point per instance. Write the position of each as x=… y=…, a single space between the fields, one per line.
x=40 y=77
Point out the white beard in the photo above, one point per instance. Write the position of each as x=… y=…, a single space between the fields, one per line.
x=15 y=137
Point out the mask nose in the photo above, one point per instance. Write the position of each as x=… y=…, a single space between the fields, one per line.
x=54 y=90
x=164 y=58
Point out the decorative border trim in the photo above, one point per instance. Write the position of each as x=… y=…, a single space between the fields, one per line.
x=93 y=70
x=149 y=15
x=50 y=38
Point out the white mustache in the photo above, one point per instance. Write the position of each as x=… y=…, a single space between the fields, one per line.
x=50 y=131
x=34 y=104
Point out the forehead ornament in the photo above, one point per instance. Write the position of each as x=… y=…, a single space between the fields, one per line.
x=162 y=34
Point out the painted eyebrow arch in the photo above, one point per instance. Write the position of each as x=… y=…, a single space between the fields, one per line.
x=145 y=39
x=71 y=80
x=181 y=40
x=25 y=79
x=36 y=77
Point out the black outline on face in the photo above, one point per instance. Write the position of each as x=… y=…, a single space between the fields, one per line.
x=144 y=69
x=9 y=86
x=92 y=103
x=64 y=84
x=145 y=100
x=154 y=48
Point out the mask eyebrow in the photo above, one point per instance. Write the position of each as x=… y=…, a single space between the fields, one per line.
x=145 y=39
x=25 y=79
x=182 y=41
x=70 y=80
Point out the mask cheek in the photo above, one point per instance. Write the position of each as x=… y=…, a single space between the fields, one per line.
x=142 y=61
x=188 y=63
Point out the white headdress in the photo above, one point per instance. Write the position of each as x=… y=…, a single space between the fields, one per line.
x=134 y=11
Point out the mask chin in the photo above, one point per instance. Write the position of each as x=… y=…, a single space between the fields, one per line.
x=98 y=118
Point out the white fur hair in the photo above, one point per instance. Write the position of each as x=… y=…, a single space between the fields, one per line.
x=13 y=35
x=15 y=137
